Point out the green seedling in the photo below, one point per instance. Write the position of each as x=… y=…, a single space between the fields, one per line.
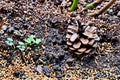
x=74 y=5
x=37 y=41
x=9 y=42
x=32 y=40
x=43 y=62
x=21 y=46
x=90 y=6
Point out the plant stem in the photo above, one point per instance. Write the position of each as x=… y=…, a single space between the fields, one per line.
x=74 y=5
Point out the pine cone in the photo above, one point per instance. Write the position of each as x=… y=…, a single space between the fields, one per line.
x=81 y=39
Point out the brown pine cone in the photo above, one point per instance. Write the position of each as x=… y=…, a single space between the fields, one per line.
x=81 y=39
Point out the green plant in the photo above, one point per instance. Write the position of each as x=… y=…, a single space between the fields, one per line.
x=9 y=42
x=90 y=6
x=21 y=46
x=74 y=5
x=32 y=40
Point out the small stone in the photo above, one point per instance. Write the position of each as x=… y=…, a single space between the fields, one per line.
x=57 y=68
x=77 y=45
x=16 y=73
x=84 y=41
x=1 y=32
x=70 y=60
x=11 y=30
x=18 y=33
x=39 y=69
x=25 y=26
x=118 y=14
x=74 y=37
x=4 y=27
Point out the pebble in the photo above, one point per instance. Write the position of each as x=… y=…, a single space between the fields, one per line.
x=16 y=73
x=18 y=33
x=46 y=70
x=57 y=68
x=4 y=27
x=39 y=69
x=69 y=60
x=118 y=14
x=11 y=30
x=25 y=26
x=1 y=32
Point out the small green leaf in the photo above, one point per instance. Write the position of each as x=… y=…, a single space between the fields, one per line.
x=90 y=6
x=32 y=36
x=18 y=46
x=22 y=48
x=37 y=41
x=28 y=40
x=9 y=39
x=21 y=43
x=9 y=43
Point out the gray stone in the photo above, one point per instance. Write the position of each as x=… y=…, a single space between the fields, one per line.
x=39 y=69
x=118 y=14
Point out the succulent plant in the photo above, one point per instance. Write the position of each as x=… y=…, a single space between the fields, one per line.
x=21 y=46
x=9 y=42
x=32 y=40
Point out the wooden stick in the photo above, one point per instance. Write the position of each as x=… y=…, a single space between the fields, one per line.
x=96 y=3
x=103 y=9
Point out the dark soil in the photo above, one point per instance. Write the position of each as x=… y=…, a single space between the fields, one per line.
x=51 y=59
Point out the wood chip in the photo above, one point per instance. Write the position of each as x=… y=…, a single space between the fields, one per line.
x=84 y=41
x=74 y=37
x=81 y=50
x=76 y=45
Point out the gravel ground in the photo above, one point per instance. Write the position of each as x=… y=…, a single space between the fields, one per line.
x=51 y=59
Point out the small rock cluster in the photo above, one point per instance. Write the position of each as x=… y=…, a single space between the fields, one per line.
x=81 y=39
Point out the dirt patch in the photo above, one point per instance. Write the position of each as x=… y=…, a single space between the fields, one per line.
x=51 y=58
